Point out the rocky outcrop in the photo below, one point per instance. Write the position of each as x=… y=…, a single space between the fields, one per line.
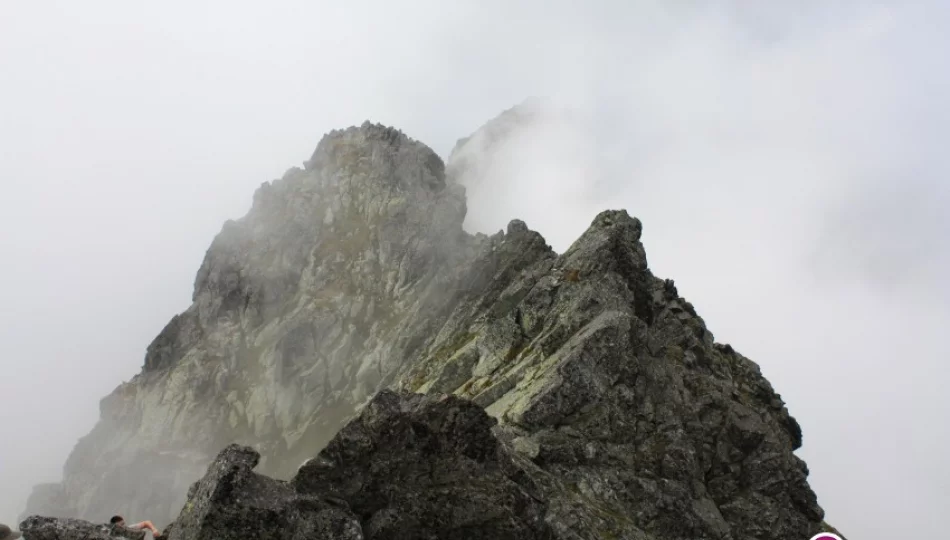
x=232 y=501
x=615 y=413
x=46 y=528
x=414 y=466
x=610 y=383
x=417 y=466
x=408 y=467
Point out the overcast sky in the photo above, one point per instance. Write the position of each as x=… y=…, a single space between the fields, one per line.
x=789 y=165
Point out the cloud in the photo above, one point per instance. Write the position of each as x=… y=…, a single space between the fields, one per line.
x=786 y=161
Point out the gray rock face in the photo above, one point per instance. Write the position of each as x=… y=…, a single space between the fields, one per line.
x=46 y=528
x=620 y=413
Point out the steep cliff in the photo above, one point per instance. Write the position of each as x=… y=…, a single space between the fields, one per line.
x=353 y=274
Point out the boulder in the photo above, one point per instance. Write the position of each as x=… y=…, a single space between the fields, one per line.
x=232 y=502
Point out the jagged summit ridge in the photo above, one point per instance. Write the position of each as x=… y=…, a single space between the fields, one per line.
x=370 y=132
x=353 y=275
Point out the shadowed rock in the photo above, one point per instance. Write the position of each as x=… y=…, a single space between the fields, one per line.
x=233 y=502
x=410 y=467
x=415 y=466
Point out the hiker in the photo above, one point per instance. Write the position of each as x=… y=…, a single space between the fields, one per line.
x=120 y=521
x=8 y=534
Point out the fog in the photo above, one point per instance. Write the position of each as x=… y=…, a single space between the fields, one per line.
x=788 y=165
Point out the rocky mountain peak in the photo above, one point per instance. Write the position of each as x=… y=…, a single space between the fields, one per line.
x=377 y=364
x=340 y=149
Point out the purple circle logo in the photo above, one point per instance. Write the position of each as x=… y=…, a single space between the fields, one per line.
x=825 y=536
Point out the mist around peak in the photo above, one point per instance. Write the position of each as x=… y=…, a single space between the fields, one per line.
x=786 y=161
